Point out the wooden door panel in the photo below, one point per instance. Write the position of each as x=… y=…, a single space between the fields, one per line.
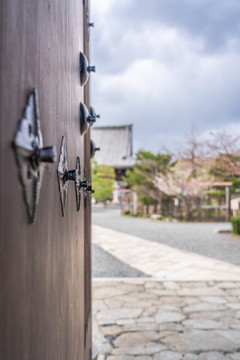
x=42 y=264
x=87 y=213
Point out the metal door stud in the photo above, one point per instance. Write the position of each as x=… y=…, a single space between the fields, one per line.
x=30 y=154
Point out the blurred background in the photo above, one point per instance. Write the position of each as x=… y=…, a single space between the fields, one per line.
x=166 y=206
x=167 y=88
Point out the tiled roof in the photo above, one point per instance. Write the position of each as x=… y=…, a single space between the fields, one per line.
x=115 y=144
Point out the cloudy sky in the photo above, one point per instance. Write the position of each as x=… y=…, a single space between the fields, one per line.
x=164 y=65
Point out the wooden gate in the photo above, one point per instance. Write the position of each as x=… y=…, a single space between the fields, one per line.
x=45 y=272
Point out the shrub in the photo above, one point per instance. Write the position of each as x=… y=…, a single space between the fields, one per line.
x=235 y=220
x=103 y=181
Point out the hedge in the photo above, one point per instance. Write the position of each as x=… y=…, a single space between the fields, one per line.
x=235 y=220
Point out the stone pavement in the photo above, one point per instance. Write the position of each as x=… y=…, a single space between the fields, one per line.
x=162 y=261
x=189 y=309
x=148 y=319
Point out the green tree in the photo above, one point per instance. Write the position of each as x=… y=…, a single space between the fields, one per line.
x=226 y=168
x=142 y=177
x=103 y=181
x=224 y=148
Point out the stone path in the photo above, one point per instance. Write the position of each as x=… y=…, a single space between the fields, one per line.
x=149 y=319
x=188 y=309
x=162 y=261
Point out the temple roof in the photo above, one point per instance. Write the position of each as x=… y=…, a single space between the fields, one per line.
x=115 y=144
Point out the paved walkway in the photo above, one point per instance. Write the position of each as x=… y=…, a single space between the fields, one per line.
x=162 y=261
x=154 y=320
x=198 y=238
x=188 y=309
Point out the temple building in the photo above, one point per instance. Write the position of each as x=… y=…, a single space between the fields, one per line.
x=116 y=149
x=115 y=144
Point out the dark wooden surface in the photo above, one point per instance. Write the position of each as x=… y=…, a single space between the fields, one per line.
x=87 y=214
x=42 y=276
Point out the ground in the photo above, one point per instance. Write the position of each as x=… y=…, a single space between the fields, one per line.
x=195 y=237
x=159 y=294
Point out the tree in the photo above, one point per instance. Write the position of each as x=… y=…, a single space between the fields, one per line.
x=193 y=152
x=225 y=149
x=180 y=184
x=142 y=177
x=103 y=181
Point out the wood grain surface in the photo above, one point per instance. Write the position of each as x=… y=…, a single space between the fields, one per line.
x=44 y=267
x=87 y=214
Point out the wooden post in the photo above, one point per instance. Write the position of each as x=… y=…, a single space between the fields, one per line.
x=135 y=204
x=227 y=197
x=200 y=209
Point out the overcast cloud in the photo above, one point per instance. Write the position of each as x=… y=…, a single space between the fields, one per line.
x=164 y=65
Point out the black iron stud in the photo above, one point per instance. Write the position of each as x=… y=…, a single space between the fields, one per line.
x=85 y=69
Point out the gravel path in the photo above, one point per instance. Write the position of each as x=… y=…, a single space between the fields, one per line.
x=195 y=237
x=107 y=265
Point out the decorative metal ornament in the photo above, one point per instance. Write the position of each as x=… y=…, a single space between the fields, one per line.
x=30 y=154
x=93 y=113
x=78 y=183
x=93 y=149
x=85 y=69
x=85 y=119
x=64 y=176
x=90 y=24
x=90 y=190
x=61 y=170
x=87 y=191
